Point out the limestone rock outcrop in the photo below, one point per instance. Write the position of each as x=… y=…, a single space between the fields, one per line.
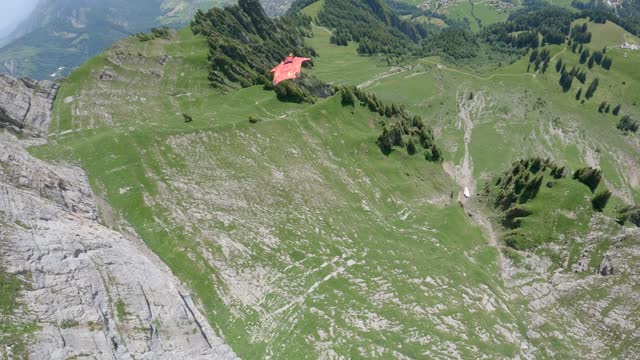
x=91 y=291
x=25 y=104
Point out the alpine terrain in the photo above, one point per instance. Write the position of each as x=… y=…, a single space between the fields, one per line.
x=349 y=179
x=60 y=35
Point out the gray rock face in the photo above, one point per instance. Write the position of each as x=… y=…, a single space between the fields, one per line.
x=92 y=291
x=587 y=302
x=25 y=104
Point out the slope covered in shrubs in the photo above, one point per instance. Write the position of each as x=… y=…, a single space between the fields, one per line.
x=534 y=192
x=400 y=129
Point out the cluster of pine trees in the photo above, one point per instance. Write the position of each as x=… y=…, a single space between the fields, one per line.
x=588 y=176
x=156 y=33
x=523 y=182
x=400 y=129
x=539 y=58
x=373 y=25
x=604 y=107
x=523 y=39
x=598 y=57
x=305 y=88
x=566 y=77
x=629 y=213
x=552 y=22
x=340 y=38
x=627 y=124
x=245 y=44
x=592 y=178
x=592 y=88
x=515 y=187
x=580 y=34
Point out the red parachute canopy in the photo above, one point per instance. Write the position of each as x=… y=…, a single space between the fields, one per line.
x=288 y=69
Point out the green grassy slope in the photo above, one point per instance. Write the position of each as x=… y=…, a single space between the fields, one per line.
x=608 y=34
x=296 y=234
x=515 y=114
x=523 y=114
x=477 y=14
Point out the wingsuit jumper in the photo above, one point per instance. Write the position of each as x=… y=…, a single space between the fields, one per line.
x=290 y=68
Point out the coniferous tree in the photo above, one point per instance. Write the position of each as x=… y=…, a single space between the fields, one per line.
x=579 y=94
x=574 y=47
x=598 y=57
x=411 y=147
x=581 y=76
x=388 y=112
x=584 y=56
x=600 y=200
x=348 y=97
x=626 y=124
x=558 y=65
x=592 y=88
x=588 y=176
x=602 y=106
x=565 y=81
x=616 y=109
x=607 y=109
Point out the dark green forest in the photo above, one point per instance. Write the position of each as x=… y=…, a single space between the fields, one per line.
x=245 y=44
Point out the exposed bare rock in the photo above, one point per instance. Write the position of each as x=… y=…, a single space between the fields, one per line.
x=587 y=303
x=25 y=104
x=276 y=7
x=606 y=267
x=108 y=75
x=93 y=291
x=163 y=59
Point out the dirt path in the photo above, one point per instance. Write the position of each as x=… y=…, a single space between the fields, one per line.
x=556 y=55
x=444 y=67
x=386 y=74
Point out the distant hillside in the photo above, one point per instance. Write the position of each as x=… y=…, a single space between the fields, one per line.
x=61 y=34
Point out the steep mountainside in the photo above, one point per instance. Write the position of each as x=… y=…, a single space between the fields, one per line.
x=436 y=211
x=307 y=238
x=71 y=286
x=62 y=34
x=26 y=104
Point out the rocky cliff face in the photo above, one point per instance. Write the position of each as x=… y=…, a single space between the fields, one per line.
x=25 y=104
x=91 y=291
